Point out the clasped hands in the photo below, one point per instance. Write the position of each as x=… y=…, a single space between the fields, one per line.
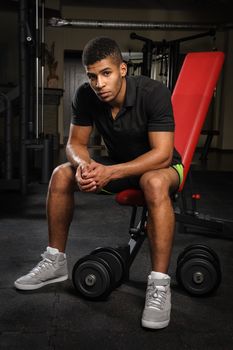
x=92 y=177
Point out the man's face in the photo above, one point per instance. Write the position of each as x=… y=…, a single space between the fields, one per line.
x=106 y=78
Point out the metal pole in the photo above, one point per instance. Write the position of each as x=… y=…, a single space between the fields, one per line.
x=31 y=71
x=23 y=93
x=126 y=25
x=37 y=70
x=42 y=63
x=47 y=159
x=8 y=137
x=174 y=49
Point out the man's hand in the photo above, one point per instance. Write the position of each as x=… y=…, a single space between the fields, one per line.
x=85 y=184
x=92 y=177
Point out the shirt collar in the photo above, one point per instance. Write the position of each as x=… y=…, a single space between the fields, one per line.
x=130 y=92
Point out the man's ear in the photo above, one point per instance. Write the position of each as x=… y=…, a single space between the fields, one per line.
x=123 y=68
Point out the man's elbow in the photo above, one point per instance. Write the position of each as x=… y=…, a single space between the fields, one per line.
x=67 y=148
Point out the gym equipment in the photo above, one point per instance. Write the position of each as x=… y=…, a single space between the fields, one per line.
x=115 y=260
x=133 y=25
x=190 y=99
x=165 y=49
x=19 y=159
x=7 y=179
x=97 y=274
x=198 y=276
x=199 y=249
x=198 y=270
x=92 y=277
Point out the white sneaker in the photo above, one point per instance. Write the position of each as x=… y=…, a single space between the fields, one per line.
x=51 y=269
x=156 y=313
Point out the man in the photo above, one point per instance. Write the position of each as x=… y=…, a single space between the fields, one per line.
x=134 y=117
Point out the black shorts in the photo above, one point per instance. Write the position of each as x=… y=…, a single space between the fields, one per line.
x=128 y=182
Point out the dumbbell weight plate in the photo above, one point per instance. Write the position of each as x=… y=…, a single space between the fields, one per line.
x=198 y=255
x=199 y=248
x=198 y=276
x=92 y=277
x=115 y=261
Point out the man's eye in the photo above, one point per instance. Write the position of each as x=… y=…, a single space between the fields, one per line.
x=107 y=73
x=92 y=78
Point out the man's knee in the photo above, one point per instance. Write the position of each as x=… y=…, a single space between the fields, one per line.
x=63 y=178
x=155 y=187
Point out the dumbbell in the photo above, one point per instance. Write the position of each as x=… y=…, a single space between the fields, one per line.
x=116 y=261
x=198 y=270
x=97 y=274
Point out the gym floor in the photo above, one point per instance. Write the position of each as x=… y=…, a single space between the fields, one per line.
x=55 y=317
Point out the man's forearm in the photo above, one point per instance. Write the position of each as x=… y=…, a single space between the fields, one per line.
x=151 y=160
x=77 y=155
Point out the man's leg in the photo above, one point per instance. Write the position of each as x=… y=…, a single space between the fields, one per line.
x=60 y=204
x=157 y=186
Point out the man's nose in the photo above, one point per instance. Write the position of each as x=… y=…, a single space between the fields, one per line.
x=99 y=82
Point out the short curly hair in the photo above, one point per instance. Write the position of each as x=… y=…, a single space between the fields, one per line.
x=100 y=48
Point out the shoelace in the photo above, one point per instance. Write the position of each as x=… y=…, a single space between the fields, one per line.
x=42 y=265
x=156 y=296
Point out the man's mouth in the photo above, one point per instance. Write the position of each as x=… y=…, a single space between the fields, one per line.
x=103 y=94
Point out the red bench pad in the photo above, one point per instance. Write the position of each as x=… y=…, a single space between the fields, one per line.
x=131 y=197
x=190 y=100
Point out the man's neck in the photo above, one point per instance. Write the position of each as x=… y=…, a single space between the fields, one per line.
x=118 y=102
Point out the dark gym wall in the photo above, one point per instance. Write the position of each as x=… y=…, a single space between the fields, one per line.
x=74 y=76
x=74 y=39
x=9 y=47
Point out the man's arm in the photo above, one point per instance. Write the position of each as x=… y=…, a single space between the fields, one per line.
x=76 y=149
x=158 y=157
x=78 y=155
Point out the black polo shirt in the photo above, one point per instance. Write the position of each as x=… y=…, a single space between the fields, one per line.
x=147 y=107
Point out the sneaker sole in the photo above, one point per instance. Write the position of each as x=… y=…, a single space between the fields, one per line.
x=155 y=325
x=39 y=285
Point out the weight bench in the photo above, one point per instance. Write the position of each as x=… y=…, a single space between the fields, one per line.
x=96 y=275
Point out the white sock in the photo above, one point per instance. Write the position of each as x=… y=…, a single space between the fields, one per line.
x=54 y=251
x=158 y=275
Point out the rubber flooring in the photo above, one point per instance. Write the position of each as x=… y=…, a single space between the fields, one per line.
x=56 y=318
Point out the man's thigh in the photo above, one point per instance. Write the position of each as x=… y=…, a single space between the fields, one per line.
x=169 y=179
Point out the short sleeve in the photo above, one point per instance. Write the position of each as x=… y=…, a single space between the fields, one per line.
x=80 y=107
x=159 y=109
